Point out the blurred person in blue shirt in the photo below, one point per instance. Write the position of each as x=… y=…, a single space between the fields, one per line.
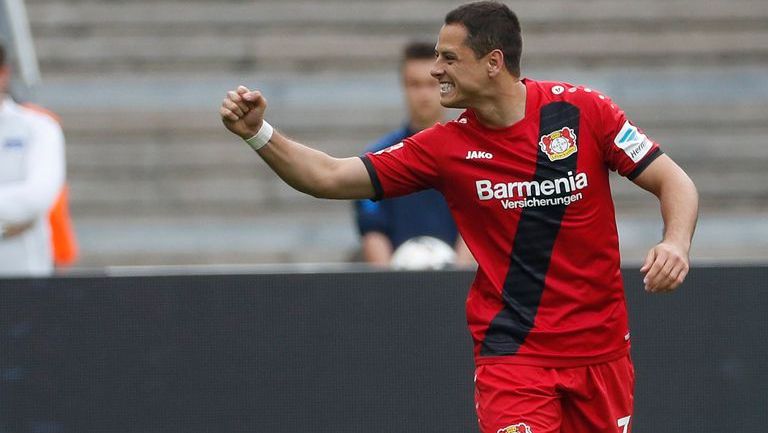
x=387 y=224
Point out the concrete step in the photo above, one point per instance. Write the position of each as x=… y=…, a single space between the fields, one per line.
x=332 y=121
x=144 y=103
x=175 y=178
x=180 y=197
x=170 y=157
x=235 y=36
x=186 y=17
x=291 y=119
x=329 y=235
x=322 y=235
x=301 y=52
x=152 y=156
x=154 y=170
x=194 y=90
x=242 y=195
x=717 y=189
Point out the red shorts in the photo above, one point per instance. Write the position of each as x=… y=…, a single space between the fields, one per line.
x=523 y=399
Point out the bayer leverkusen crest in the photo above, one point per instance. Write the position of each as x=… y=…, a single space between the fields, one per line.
x=559 y=144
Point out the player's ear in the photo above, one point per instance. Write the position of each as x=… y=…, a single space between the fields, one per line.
x=495 y=63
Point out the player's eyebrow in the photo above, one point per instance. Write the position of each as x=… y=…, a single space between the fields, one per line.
x=446 y=53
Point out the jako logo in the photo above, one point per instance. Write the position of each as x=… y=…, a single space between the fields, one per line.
x=476 y=154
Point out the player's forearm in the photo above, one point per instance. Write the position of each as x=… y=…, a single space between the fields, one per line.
x=377 y=249
x=679 y=203
x=678 y=199
x=311 y=171
x=299 y=166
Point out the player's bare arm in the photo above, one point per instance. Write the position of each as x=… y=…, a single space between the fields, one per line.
x=303 y=168
x=464 y=257
x=377 y=249
x=667 y=263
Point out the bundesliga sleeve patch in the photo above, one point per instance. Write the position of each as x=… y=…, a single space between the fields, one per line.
x=633 y=142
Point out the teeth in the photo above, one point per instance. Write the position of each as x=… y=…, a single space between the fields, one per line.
x=446 y=87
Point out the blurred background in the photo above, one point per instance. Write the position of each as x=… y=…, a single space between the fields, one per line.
x=156 y=180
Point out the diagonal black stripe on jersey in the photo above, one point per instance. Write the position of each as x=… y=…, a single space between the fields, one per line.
x=532 y=247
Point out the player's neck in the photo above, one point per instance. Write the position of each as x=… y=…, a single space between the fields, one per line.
x=505 y=107
x=422 y=124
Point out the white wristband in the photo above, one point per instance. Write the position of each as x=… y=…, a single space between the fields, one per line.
x=262 y=137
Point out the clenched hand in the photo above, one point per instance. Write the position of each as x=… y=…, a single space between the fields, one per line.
x=242 y=111
x=665 y=267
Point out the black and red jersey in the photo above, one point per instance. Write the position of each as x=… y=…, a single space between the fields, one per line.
x=533 y=203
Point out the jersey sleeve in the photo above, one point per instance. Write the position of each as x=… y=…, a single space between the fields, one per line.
x=626 y=149
x=371 y=217
x=405 y=167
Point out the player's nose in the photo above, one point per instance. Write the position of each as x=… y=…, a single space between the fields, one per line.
x=436 y=71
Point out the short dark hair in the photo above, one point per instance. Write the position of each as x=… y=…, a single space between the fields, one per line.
x=419 y=50
x=490 y=25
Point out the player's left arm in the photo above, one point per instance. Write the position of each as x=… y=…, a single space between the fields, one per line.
x=667 y=263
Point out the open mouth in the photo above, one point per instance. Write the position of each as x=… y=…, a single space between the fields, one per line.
x=446 y=88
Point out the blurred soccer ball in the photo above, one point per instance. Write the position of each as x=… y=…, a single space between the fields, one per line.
x=421 y=253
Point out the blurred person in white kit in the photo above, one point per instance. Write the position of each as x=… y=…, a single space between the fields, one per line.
x=32 y=167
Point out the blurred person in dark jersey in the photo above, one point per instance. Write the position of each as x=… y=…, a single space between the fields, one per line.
x=386 y=224
x=31 y=179
x=524 y=171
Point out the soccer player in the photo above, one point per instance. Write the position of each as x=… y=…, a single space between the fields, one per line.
x=386 y=224
x=525 y=173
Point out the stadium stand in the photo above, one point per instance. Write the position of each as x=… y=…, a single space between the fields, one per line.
x=156 y=180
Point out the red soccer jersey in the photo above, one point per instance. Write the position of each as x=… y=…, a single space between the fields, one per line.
x=533 y=203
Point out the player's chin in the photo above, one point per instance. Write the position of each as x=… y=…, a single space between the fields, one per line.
x=448 y=101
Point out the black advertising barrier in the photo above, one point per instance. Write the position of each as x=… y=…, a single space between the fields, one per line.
x=337 y=353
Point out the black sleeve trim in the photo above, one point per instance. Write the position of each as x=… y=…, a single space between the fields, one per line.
x=645 y=163
x=379 y=191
